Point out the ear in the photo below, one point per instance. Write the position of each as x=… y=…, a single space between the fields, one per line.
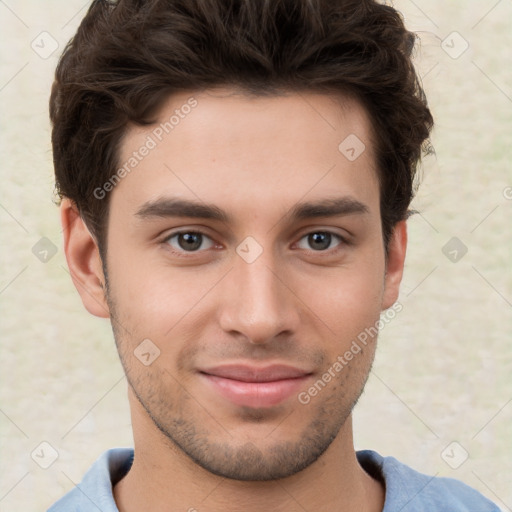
x=395 y=264
x=84 y=262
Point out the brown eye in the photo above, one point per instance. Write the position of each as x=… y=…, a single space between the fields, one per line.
x=189 y=241
x=319 y=241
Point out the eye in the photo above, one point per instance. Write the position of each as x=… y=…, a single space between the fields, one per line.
x=189 y=241
x=319 y=241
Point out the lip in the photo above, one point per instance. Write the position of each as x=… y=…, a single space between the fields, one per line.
x=257 y=387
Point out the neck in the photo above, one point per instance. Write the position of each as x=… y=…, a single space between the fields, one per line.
x=163 y=478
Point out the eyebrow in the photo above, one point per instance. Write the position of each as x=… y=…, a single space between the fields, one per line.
x=170 y=207
x=328 y=208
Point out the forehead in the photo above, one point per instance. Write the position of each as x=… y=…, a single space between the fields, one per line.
x=225 y=146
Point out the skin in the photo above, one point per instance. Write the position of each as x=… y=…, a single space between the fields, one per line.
x=299 y=303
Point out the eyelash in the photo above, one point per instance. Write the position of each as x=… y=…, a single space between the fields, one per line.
x=342 y=241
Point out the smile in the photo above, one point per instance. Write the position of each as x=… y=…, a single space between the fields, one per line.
x=255 y=387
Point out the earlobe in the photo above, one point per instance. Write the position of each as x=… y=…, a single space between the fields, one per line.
x=84 y=262
x=395 y=264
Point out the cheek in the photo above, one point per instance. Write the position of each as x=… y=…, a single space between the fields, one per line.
x=154 y=299
x=345 y=301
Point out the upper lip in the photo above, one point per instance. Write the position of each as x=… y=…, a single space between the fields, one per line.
x=246 y=373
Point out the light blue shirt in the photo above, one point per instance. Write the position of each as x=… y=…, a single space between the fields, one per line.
x=406 y=489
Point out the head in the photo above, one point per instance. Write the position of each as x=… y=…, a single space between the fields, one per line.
x=236 y=178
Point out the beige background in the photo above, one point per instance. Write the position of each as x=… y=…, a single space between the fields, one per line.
x=444 y=366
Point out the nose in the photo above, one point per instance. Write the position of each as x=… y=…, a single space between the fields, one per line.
x=257 y=303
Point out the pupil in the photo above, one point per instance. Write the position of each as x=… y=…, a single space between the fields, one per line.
x=189 y=241
x=319 y=241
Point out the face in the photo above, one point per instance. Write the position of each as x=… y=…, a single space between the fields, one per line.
x=245 y=255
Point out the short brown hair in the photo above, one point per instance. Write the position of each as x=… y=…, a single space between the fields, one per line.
x=128 y=56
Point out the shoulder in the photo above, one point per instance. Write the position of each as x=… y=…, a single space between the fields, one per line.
x=94 y=492
x=408 y=490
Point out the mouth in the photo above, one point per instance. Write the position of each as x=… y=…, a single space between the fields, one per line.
x=257 y=387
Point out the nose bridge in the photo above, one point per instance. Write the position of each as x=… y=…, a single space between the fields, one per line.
x=257 y=305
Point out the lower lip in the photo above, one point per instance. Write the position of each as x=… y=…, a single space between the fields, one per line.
x=256 y=394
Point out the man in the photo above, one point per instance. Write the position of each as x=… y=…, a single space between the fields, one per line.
x=235 y=180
